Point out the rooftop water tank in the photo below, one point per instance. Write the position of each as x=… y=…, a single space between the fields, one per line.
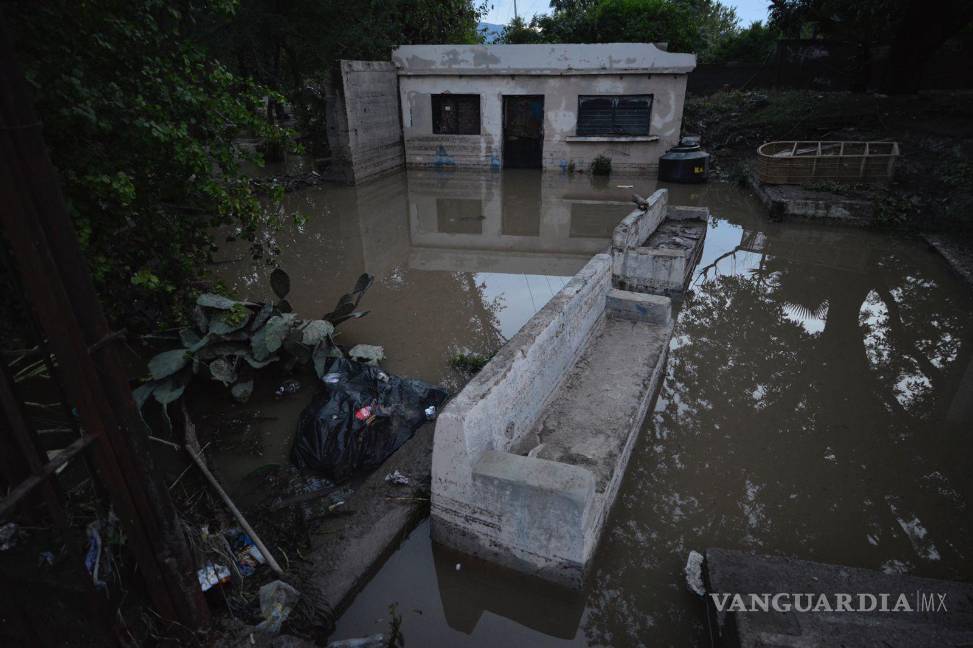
x=687 y=162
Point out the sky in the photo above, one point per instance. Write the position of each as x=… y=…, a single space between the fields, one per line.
x=503 y=10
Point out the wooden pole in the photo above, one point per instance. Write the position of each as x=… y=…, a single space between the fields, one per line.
x=192 y=447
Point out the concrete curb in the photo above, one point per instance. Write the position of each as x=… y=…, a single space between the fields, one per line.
x=348 y=550
x=790 y=201
x=958 y=255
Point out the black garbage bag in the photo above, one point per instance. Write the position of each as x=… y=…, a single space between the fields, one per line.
x=359 y=417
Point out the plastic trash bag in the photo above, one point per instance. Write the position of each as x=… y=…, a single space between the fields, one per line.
x=357 y=421
x=277 y=599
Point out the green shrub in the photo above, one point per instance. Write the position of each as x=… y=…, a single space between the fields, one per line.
x=601 y=166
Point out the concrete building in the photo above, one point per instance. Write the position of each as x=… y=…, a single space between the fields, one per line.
x=509 y=106
x=493 y=106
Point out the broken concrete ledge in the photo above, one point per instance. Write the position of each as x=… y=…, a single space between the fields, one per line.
x=736 y=572
x=347 y=550
x=794 y=201
x=528 y=457
x=957 y=253
x=655 y=249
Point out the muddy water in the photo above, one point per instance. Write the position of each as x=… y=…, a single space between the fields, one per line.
x=817 y=403
x=461 y=262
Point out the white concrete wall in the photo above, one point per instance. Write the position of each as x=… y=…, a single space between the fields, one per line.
x=558 y=72
x=561 y=146
x=597 y=58
x=490 y=415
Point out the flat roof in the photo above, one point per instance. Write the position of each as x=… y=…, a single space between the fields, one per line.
x=562 y=59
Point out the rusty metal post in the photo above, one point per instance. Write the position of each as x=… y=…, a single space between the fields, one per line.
x=53 y=271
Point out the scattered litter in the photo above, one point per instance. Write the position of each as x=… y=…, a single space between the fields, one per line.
x=45 y=558
x=92 y=559
x=332 y=378
x=358 y=423
x=624 y=186
x=431 y=412
x=694 y=573
x=371 y=641
x=248 y=556
x=458 y=566
x=397 y=479
x=895 y=567
x=288 y=387
x=212 y=575
x=277 y=599
x=368 y=353
x=8 y=536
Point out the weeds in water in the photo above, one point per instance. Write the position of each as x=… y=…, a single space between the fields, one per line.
x=739 y=174
x=601 y=166
x=396 y=638
x=469 y=363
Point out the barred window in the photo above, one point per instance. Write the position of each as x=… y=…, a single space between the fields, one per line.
x=456 y=114
x=614 y=115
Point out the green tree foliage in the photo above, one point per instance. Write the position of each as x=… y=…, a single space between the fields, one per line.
x=142 y=124
x=751 y=45
x=914 y=29
x=519 y=32
x=293 y=45
x=686 y=25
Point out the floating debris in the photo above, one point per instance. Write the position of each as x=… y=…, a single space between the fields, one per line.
x=8 y=536
x=288 y=387
x=371 y=641
x=397 y=479
x=694 y=573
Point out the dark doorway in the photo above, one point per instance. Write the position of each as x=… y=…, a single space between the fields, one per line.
x=523 y=131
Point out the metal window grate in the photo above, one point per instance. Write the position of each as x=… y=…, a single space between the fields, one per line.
x=614 y=115
x=456 y=114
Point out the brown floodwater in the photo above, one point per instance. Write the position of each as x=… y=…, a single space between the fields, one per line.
x=818 y=400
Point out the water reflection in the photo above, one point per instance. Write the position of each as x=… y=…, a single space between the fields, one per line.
x=805 y=412
x=816 y=404
x=461 y=261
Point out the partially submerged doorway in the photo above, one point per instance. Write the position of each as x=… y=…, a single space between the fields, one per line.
x=523 y=131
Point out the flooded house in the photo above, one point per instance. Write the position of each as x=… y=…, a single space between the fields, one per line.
x=554 y=107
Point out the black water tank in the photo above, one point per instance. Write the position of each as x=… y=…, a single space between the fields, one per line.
x=687 y=162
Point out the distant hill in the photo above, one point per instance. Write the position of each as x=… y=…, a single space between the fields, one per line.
x=491 y=32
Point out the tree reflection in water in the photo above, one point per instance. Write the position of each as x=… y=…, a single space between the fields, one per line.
x=812 y=407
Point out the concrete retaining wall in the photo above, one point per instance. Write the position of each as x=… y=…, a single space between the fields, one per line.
x=366 y=135
x=643 y=261
x=520 y=476
x=474 y=477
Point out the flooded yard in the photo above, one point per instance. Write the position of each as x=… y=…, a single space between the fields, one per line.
x=818 y=399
